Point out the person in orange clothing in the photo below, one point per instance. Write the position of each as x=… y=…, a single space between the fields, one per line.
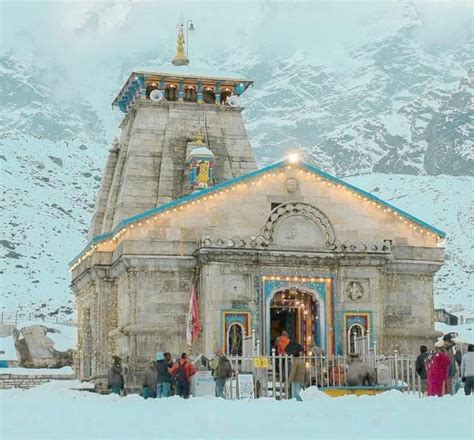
x=282 y=342
x=182 y=371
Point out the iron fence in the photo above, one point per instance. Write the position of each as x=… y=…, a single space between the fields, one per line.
x=270 y=373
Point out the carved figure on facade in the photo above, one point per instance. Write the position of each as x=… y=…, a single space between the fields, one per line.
x=291 y=184
x=354 y=291
x=284 y=211
x=235 y=340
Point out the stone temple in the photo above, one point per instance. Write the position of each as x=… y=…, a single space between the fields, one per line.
x=184 y=208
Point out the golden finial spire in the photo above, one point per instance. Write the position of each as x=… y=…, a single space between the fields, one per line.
x=180 y=58
x=199 y=140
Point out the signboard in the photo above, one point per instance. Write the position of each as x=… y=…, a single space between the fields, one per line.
x=203 y=384
x=383 y=375
x=260 y=362
x=245 y=385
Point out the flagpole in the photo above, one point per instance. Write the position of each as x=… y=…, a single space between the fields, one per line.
x=193 y=322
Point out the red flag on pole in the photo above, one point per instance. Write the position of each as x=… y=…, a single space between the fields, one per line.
x=193 y=323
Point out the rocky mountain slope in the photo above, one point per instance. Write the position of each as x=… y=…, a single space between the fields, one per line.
x=394 y=113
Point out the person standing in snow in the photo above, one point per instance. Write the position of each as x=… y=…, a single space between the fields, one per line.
x=438 y=369
x=169 y=361
x=221 y=370
x=467 y=370
x=183 y=370
x=453 y=368
x=126 y=373
x=114 y=377
x=163 y=377
x=420 y=367
x=149 y=382
x=297 y=375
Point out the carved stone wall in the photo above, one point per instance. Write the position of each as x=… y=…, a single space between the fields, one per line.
x=147 y=167
x=299 y=225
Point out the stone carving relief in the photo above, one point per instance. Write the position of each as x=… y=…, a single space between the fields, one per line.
x=299 y=225
x=291 y=184
x=354 y=291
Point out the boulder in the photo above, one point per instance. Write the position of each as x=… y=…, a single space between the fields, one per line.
x=36 y=350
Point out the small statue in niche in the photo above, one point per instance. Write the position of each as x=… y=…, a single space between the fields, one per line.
x=200 y=167
x=354 y=291
x=235 y=340
x=203 y=173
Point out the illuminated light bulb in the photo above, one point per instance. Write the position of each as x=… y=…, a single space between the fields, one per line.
x=293 y=158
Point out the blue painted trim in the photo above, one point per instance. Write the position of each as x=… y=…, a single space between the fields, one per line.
x=228 y=183
x=340 y=326
x=319 y=288
x=372 y=197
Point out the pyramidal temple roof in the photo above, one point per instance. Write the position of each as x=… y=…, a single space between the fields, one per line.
x=226 y=185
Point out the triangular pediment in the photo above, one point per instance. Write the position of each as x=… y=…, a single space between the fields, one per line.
x=285 y=194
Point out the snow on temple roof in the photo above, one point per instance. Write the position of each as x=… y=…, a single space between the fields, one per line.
x=194 y=72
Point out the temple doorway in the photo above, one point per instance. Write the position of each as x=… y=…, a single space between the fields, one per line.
x=295 y=311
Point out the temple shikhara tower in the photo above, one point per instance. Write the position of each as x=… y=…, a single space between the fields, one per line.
x=184 y=210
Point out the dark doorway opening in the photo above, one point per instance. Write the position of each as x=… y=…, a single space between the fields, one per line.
x=295 y=311
x=282 y=320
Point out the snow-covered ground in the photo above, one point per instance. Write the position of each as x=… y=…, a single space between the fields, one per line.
x=56 y=411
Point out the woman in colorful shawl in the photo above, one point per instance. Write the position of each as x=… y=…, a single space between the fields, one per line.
x=438 y=368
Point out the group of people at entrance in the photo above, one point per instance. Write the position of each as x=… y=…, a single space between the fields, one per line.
x=163 y=378
x=440 y=368
x=441 y=371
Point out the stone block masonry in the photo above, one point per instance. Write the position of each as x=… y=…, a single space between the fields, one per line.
x=8 y=381
x=147 y=168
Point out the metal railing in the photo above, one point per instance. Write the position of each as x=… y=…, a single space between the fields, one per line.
x=270 y=373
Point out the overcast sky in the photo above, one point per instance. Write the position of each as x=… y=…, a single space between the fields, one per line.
x=77 y=32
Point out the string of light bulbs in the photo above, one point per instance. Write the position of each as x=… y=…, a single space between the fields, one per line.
x=222 y=190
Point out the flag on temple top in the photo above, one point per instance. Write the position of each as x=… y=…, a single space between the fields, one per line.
x=193 y=323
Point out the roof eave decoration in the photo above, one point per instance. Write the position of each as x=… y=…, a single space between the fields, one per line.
x=226 y=186
x=136 y=84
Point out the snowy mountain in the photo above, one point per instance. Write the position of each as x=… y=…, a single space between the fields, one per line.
x=357 y=95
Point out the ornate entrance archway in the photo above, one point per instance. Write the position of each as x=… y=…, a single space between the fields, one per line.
x=313 y=294
x=295 y=311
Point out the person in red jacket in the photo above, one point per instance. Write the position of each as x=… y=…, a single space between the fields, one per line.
x=182 y=371
x=438 y=368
